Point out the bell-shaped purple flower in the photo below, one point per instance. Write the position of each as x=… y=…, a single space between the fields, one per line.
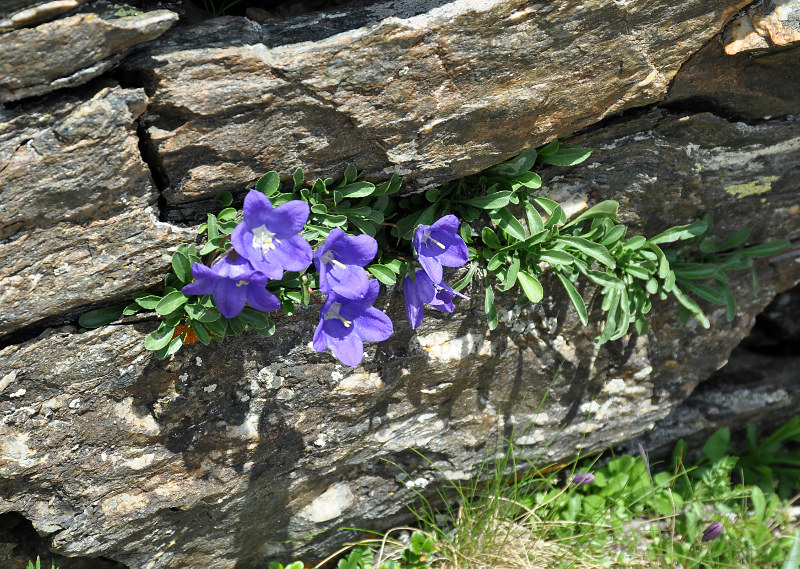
x=583 y=479
x=440 y=244
x=713 y=531
x=232 y=283
x=344 y=324
x=421 y=290
x=340 y=261
x=270 y=237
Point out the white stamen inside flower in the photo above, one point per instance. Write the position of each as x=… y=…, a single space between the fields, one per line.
x=426 y=237
x=330 y=257
x=333 y=312
x=263 y=239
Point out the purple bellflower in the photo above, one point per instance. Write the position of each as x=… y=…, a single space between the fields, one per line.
x=421 y=290
x=232 y=283
x=344 y=324
x=340 y=261
x=440 y=244
x=583 y=478
x=270 y=237
x=712 y=532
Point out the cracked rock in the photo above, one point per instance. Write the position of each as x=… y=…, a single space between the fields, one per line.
x=71 y=51
x=764 y=24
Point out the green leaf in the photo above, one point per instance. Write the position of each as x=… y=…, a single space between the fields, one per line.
x=575 y=298
x=467 y=278
x=366 y=227
x=566 y=156
x=160 y=338
x=694 y=271
x=508 y=223
x=530 y=286
x=535 y=223
x=319 y=209
x=705 y=292
x=634 y=243
x=132 y=308
x=227 y=214
x=383 y=273
x=389 y=187
x=494 y=200
x=593 y=250
x=549 y=149
x=395 y=265
x=680 y=232
x=511 y=274
x=169 y=349
x=515 y=166
x=465 y=231
x=556 y=218
x=554 y=257
x=496 y=261
x=489 y=307
x=718 y=445
x=225 y=198
x=690 y=305
x=255 y=318
x=766 y=249
x=792 y=560
x=148 y=302
x=182 y=266
x=490 y=239
x=269 y=183
x=202 y=313
x=200 y=331
x=357 y=190
x=613 y=237
x=607 y=209
x=100 y=317
x=171 y=302
x=406 y=226
x=432 y=195
x=350 y=174
x=217 y=327
x=604 y=279
x=298 y=178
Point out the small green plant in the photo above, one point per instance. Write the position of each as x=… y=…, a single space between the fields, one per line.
x=509 y=237
x=31 y=565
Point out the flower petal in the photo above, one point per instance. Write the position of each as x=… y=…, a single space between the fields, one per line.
x=373 y=325
x=415 y=309
x=293 y=253
x=347 y=349
x=261 y=299
x=357 y=250
x=289 y=219
x=320 y=338
x=257 y=209
x=432 y=267
x=350 y=282
x=229 y=298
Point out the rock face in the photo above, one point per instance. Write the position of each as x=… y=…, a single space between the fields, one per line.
x=233 y=454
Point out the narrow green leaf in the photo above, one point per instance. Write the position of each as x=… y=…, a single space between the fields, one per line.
x=489 y=307
x=530 y=180
x=171 y=302
x=607 y=209
x=494 y=200
x=766 y=249
x=200 y=331
x=530 y=286
x=554 y=257
x=792 y=560
x=269 y=183
x=613 y=237
x=575 y=298
x=692 y=306
x=556 y=218
x=634 y=243
x=383 y=273
x=535 y=223
x=132 y=308
x=432 y=195
x=462 y=283
x=100 y=317
x=465 y=231
x=389 y=187
x=511 y=274
x=169 y=349
x=496 y=260
x=406 y=226
x=490 y=238
x=603 y=279
x=508 y=223
x=567 y=156
x=364 y=226
x=694 y=271
x=680 y=232
x=593 y=250
x=182 y=266
x=548 y=205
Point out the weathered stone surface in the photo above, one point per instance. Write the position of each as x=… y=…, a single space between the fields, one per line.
x=50 y=271
x=764 y=24
x=71 y=51
x=432 y=90
x=73 y=160
x=214 y=458
x=77 y=220
x=19 y=14
x=744 y=85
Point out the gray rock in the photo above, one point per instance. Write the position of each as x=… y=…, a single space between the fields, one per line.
x=431 y=90
x=233 y=454
x=71 y=51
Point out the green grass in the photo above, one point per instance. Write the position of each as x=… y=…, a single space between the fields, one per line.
x=633 y=514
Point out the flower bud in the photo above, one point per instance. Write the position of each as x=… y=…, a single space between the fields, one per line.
x=583 y=478
x=712 y=532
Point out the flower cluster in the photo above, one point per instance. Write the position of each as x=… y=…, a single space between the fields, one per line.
x=268 y=242
x=436 y=246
